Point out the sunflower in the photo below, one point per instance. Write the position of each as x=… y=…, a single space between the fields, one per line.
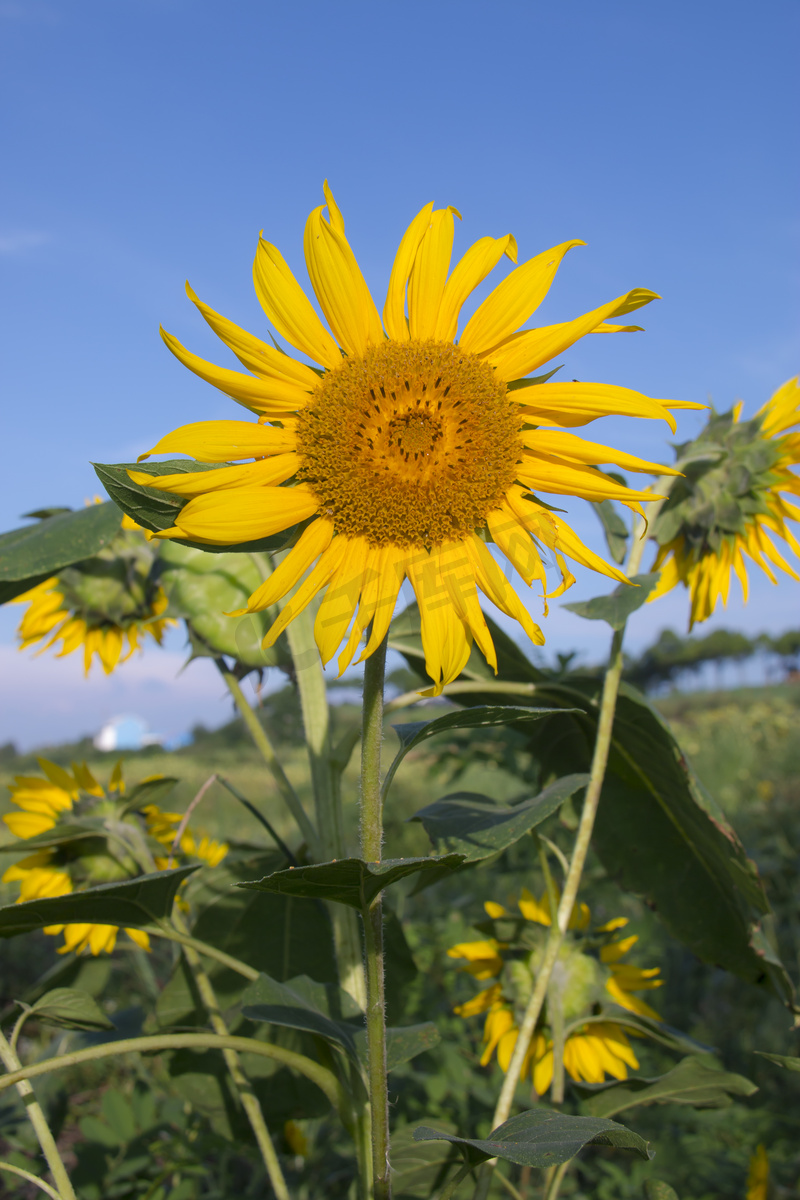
x=730 y=503
x=408 y=448
x=54 y=870
x=592 y=1048
x=99 y=604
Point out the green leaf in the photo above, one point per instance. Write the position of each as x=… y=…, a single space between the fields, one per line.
x=657 y=1031
x=414 y=733
x=658 y=832
x=614 y=528
x=618 y=606
x=71 y=1009
x=304 y=1004
x=157 y=510
x=35 y=552
x=149 y=791
x=280 y=935
x=473 y=825
x=541 y=1137
x=134 y=903
x=60 y=835
x=404 y=1043
x=781 y=1060
x=656 y=1189
x=697 y=1082
x=10 y=591
x=348 y=880
x=419 y=1168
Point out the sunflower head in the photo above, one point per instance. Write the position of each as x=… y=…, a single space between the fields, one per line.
x=99 y=604
x=111 y=842
x=729 y=503
x=418 y=439
x=590 y=981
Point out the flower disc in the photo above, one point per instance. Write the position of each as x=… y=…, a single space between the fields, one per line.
x=411 y=444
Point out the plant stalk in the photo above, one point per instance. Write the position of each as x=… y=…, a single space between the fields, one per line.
x=371 y=847
x=36 y=1117
x=241 y=1083
x=264 y=745
x=34 y=1179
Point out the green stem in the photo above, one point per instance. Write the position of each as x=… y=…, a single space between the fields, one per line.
x=323 y=1078
x=185 y=939
x=605 y=724
x=326 y=781
x=241 y=1083
x=264 y=745
x=449 y=1188
x=39 y=1183
x=371 y=846
x=555 y=1181
x=17 y=1075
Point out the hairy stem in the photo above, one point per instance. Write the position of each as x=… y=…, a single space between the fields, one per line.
x=36 y=1117
x=371 y=846
x=267 y=750
x=241 y=1083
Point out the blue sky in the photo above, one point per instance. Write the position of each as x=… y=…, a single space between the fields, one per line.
x=148 y=141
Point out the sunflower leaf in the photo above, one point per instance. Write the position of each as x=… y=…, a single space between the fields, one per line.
x=473 y=825
x=135 y=903
x=71 y=1009
x=35 y=552
x=414 y=733
x=349 y=880
x=614 y=528
x=656 y=1189
x=541 y=1137
x=156 y=510
x=695 y=1081
x=618 y=606
x=149 y=791
x=781 y=1060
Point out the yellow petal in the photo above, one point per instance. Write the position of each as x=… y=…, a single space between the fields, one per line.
x=578 y=403
x=340 y=600
x=139 y=937
x=446 y=638
x=272 y=397
x=289 y=309
x=429 y=274
x=263 y=360
x=340 y=287
x=471 y=270
x=265 y=472
x=533 y=909
x=225 y=441
x=312 y=542
x=317 y=579
x=524 y=352
x=244 y=514
x=555 y=476
x=513 y=301
x=394 y=310
x=579 y=450
x=516 y=543
x=459 y=579
x=543 y=1073
x=614 y=951
x=492 y=582
x=383 y=576
x=479 y=1003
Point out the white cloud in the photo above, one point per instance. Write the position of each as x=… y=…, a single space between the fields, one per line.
x=19 y=240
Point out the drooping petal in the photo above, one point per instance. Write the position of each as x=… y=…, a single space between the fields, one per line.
x=394 y=310
x=316 y=580
x=289 y=308
x=471 y=270
x=274 y=397
x=492 y=582
x=524 y=352
x=242 y=515
x=225 y=441
x=340 y=600
x=257 y=356
x=446 y=639
x=513 y=301
x=560 y=478
x=426 y=283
